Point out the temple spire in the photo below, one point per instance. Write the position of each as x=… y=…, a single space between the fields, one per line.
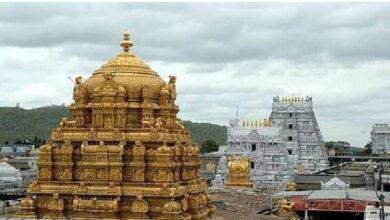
x=126 y=43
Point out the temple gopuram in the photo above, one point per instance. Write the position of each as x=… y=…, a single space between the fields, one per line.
x=124 y=155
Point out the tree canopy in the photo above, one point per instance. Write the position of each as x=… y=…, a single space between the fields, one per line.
x=208 y=146
x=18 y=125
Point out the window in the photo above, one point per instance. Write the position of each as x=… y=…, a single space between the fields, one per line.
x=290 y=115
x=253 y=147
x=289 y=152
x=290 y=126
x=252 y=165
x=290 y=138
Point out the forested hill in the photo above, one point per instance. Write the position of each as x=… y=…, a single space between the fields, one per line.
x=18 y=123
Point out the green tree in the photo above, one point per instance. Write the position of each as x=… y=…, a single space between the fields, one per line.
x=329 y=145
x=18 y=141
x=27 y=123
x=208 y=146
x=367 y=149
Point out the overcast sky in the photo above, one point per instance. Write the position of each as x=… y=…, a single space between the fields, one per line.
x=222 y=55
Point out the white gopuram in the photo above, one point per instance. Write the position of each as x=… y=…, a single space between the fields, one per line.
x=300 y=133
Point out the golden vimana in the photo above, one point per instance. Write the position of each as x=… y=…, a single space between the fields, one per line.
x=125 y=154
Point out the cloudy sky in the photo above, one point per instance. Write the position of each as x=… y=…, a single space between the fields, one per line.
x=222 y=55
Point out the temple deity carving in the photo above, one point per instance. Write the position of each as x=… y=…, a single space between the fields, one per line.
x=285 y=208
x=124 y=154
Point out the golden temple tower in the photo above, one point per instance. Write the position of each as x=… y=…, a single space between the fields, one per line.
x=125 y=154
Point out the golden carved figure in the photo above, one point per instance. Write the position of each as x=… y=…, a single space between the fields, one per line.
x=159 y=123
x=266 y=123
x=284 y=208
x=123 y=155
x=65 y=123
x=239 y=172
x=211 y=167
x=291 y=186
x=139 y=208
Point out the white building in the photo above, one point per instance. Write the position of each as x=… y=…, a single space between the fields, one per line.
x=10 y=177
x=380 y=136
x=16 y=149
x=265 y=147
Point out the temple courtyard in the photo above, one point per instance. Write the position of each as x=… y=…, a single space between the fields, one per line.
x=241 y=204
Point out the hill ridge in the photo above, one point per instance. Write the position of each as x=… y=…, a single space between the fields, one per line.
x=20 y=123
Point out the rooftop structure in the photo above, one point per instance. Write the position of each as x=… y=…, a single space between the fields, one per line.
x=380 y=136
x=334 y=183
x=15 y=149
x=124 y=156
x=352 y=201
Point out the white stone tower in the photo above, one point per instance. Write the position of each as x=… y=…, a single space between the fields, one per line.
x=300 y=132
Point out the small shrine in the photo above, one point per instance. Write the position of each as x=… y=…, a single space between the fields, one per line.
x=334 y=184
x=239 y=172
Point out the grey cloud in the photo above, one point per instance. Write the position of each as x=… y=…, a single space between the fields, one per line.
x=205 y=68
x=224 y=55
x=208 y=33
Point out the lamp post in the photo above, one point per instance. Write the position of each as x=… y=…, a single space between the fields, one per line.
x=381 y=197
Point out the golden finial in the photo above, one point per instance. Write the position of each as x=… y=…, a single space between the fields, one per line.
x=126 y=42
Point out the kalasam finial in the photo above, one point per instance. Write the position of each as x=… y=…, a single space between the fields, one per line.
x=126 y=43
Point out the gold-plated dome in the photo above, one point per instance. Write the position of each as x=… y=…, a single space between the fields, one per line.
x=126 y=61
x=129 y=71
